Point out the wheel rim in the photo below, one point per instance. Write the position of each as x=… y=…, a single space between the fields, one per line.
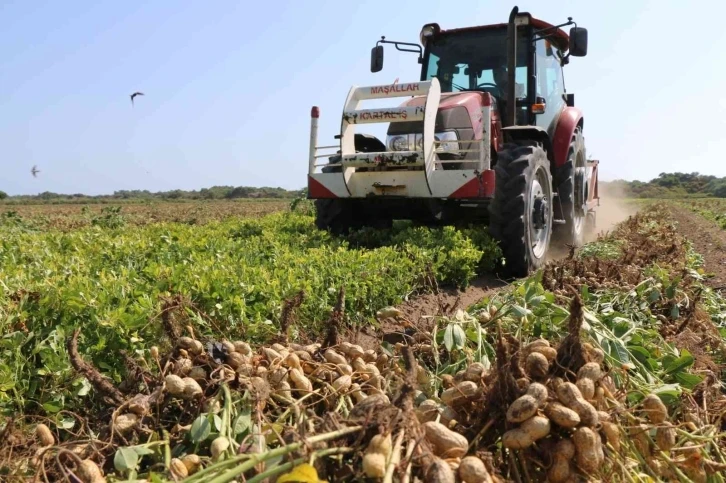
x=541 y=222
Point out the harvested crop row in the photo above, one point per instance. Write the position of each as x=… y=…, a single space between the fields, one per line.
x=370 y=407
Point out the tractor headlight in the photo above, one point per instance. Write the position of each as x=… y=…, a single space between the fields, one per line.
x=398 y=143
x=448 y=142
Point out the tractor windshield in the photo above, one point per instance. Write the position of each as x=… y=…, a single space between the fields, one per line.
x=475 y=59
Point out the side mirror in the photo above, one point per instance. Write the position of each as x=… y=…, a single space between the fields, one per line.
x=578 y=42
x=377 y=58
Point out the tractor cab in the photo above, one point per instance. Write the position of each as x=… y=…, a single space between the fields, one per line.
x=483 y=60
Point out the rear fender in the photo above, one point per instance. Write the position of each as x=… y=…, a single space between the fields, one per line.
x=569 y=120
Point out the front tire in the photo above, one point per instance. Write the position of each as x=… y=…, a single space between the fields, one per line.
x=334 y=215
x=340 y=215
x=521 y=211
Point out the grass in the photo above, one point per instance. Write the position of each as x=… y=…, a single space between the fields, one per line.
x=711 y=209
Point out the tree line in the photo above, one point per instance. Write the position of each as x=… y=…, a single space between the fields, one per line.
x=213 y=193
x=666 y=185
x=669 y=185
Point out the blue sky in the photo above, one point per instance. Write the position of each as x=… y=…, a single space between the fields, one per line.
x=229 y=85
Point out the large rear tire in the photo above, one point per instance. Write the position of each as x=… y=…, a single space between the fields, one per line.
x=340 y=215
x=334 y=215
x=572 y=193
x=520 y=215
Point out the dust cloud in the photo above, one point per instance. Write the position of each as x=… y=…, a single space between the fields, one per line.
x=614 y=208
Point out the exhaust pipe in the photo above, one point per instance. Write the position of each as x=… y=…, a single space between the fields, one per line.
x=511 y=114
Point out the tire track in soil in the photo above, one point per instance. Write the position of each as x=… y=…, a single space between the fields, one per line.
x=611 y=212
x=708 y=239
x=446 y=301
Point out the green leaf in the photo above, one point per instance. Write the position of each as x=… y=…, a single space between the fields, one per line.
x=667 y=360
x=682 y=362
x=142 y=450
x=617 y=351
x=65 y=422
x=475 y=334
x=654 y=296
x=639 y=352
x=537 y=301
x=689 y=381
x=449 y=337
x=126 y=459
x=52 y=407
x=217 y=422
x=459 y=337
x=85 y=388
x=387 y=348
x=201 y=428
x=675 y=312
x=520 y=311
x=669 y=393
x=242 y=423
x=652 y=364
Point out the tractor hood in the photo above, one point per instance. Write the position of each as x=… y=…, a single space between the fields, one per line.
x=459 y=110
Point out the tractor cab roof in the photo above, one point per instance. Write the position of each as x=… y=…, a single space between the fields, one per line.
x=556 y=35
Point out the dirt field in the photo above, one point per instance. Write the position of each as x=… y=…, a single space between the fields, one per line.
x=708 y=239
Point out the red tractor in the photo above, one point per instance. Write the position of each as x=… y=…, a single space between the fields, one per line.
x=488 y=133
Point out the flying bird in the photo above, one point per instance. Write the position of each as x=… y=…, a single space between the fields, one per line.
x=35 y=171
x=134 y=95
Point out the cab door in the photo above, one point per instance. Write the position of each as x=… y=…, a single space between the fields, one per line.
x=550 y=89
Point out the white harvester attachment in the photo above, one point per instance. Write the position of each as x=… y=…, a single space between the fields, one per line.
x=410 y=173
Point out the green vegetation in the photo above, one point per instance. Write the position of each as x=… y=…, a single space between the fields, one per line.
x=670 y=185
x=72 y=216
x=714 y=210
x=114 y=281
x=213 y=193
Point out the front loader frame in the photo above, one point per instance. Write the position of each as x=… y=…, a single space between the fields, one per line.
x=407 y=174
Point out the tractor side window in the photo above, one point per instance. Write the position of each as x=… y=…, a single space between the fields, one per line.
x=433 y=67
x=550 y=84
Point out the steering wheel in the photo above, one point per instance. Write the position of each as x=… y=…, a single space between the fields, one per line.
x=490 y=84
